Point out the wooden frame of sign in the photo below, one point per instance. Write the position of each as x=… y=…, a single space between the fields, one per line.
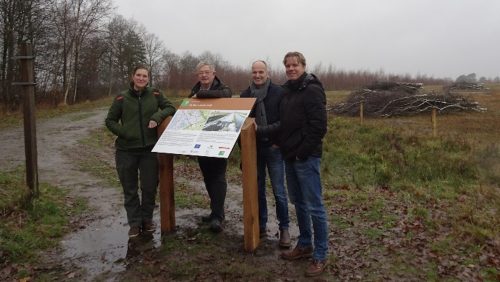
x=249 y=170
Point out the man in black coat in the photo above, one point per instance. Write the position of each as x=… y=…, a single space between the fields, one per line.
x=303 y=126
x=213 y=169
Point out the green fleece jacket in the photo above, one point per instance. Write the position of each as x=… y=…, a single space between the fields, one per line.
x=129 y=116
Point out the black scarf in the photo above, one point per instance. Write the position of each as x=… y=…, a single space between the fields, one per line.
x=260 y=109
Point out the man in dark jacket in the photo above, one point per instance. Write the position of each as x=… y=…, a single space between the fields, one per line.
x=133 y=118
x=303 y=126
x=213 y=169
x=266 y=114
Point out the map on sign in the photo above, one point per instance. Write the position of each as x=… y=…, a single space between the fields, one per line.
x=205 y=127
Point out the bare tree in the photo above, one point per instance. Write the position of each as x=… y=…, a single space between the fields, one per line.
x=171 y=69
x=125 y=50
x=21 y=21
x=215 y=59
x=62 y=23
x=116 y=31
x=154 y=50
x=81 y=54
x=74 y=21
x=187 y=65
x=89 y=14
x=7 y=13
x=92 y=75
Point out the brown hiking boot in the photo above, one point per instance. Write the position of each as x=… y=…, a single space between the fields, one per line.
x=298 y=253
x=285 y=241
x=315 y=268
x=148 y=226
x=134 y=231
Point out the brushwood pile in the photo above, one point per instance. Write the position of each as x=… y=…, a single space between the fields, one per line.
x=387 y=99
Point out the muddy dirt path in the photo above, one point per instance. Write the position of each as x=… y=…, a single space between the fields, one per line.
x=86 y=249
x=97 y=248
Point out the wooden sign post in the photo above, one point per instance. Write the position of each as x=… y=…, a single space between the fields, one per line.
x=28 y=85
x=167 y=202
x=434 y=122
x=250 y=198
x=361 y=111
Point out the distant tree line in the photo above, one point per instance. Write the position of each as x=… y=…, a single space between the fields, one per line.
x=85 y=51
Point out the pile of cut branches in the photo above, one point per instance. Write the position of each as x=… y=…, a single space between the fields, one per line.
x=465 y=86
x=386 y=99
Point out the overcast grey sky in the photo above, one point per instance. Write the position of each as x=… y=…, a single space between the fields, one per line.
x=440 y=38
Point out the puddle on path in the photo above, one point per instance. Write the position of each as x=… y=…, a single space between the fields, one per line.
x=102 y=249
x=99 y=250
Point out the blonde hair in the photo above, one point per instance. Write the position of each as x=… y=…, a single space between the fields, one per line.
x=298 y=55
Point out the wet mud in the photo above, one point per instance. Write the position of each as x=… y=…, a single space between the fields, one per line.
x=99 y=249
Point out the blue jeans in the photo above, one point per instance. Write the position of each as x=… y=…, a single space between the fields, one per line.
x=304 y=189
x=270 y=157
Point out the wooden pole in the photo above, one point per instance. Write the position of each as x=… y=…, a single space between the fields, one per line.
x=434 y=122
x=361 y=111
x=167 y=202
x=250 y=198
x=28 y=85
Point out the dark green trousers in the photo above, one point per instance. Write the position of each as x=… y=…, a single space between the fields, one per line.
x=138 y=170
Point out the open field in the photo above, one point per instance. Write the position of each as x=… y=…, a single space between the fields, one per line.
x=479 y=127
x=441 y=194
x=403 y=205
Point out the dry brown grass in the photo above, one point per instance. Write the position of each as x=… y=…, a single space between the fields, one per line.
x=481 y=129
x=460 y=211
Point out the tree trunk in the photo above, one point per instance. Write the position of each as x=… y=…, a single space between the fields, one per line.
x=10 y=102
x=67 y=85
x=75 y=74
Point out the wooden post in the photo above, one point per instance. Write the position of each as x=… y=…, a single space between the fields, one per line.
x=250 y=198
x=434 y=122
x=361 y=111
x=28 y=85
x=167 y=202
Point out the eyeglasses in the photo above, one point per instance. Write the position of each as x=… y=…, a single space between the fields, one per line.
x=205 y=72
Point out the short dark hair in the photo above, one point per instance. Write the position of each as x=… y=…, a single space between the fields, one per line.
x=140 y=67
x=300 y=57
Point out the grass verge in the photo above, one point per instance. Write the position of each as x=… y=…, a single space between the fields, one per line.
x=13 y=190
x=27 y=229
